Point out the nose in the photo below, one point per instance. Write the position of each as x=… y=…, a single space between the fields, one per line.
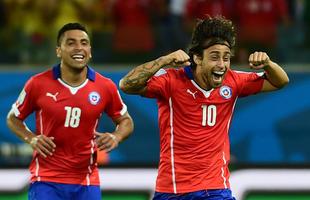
x=221 y=63
x=78 y=46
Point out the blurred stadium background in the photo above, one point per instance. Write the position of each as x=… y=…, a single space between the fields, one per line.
x=269 y=134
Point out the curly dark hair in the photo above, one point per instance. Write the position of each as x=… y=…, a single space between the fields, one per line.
x=211 y=31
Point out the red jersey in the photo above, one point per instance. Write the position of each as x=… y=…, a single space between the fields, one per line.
x=202 y=8
x=260 y=19
x=194 y=124
x=70 y=115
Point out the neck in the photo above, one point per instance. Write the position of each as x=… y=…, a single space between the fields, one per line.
x=72 y=76
x=200 y=80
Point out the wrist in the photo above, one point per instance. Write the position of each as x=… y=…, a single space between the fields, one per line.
x=28 y=138
x=115 y=138
x=268 y=65
x=164 y=61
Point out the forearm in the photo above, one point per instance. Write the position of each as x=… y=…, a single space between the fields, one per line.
x=135 y=81
x=276 y=75
x=19 y=128
x=124 y=128
x=109 y=141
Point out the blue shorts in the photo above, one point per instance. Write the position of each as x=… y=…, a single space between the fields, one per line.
x=60 y=191
x=224 y=194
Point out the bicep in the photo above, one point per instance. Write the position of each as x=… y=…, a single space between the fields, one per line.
x=267 y=86
x=121 y=118
x=124 y=122
x=11 y=118
x=13 y=122
x=141 y=91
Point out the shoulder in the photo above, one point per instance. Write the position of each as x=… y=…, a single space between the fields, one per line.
x=245 y=73
x=41 y=78
x=232 y=72
x=105 y=83
x=42 y=75
x=103 y=79
x=170 y=72
x=239 y=74
x=168 y=76
x=37 y=82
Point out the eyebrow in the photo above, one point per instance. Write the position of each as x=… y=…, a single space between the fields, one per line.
x=73 y=39
x=218 y=52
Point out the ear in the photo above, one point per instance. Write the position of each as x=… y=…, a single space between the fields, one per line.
x=197 y=60
x=58 y=52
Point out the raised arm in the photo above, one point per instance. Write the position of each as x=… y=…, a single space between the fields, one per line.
x=276 y=76
x=135 y=81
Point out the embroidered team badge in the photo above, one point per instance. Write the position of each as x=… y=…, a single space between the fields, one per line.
x=225 y=92
x=94 y=98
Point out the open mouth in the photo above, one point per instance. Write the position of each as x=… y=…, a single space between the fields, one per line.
x=218 y=76
x=78 y=57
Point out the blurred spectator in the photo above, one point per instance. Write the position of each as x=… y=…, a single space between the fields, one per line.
x=178 y=26
x=97 y=15
x=38 y=28
x=6 y=39
x=3 y=17
x=201 y=8
x=168 y=22
x=306 y=20
x=292 y=37
x=14 y=10
x=31 y=22
x=34 y=22
x=299 y=32
x=162 y=26
x=133 y=30
x=257 y=23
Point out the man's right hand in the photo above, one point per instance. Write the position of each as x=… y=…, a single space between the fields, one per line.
x=177 y=58
x=43 y=145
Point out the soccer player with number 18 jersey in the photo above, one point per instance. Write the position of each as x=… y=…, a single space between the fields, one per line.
x=195 y=108
x=68 y=101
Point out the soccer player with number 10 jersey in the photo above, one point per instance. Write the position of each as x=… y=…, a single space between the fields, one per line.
x=196 y=94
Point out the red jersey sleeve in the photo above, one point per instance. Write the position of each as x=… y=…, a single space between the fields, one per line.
x=158 y=85
x=249 y=82
x=25 y=104
x=115 y=107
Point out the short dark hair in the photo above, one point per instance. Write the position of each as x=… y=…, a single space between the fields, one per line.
x=68 y=27
x=211 y=31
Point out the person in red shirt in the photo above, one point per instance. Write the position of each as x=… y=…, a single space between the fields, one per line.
x=200 y=9
x=258 y=22
x=133 y=31
x=195 y=107
x=68 y=101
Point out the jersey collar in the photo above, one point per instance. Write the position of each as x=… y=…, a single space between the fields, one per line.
x=90 y=72
x=189 y=72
